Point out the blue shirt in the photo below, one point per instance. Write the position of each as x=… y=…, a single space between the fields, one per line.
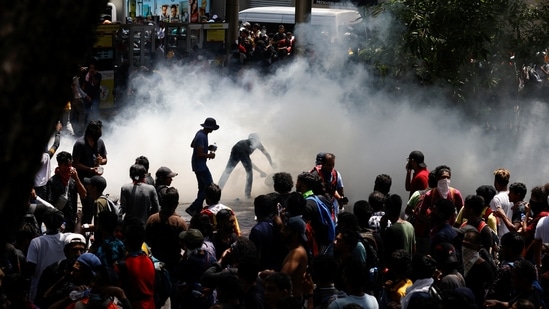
x=200 y=140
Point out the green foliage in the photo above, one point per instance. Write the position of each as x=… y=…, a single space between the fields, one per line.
x=462 y=44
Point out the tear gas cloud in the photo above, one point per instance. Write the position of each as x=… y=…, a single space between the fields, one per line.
x=302 y=109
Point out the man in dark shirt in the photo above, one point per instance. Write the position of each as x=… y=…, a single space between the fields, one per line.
x=241 y=152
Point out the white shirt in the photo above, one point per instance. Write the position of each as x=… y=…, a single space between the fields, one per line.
x=365 y=301
x=44 y=251
x=501 y=200
x=542 y=230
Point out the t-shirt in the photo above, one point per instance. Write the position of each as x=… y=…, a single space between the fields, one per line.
x=501 y=200
x=162 y=235
x=200 y=140
x=400 y=235
x=420 y=181
x=86 y=155
x=542 y=230
x=138 y=280
x=44 y=251
x=365 y=301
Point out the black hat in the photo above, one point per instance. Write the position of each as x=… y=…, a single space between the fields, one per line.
x=445 y=253
x=417 y=156
x=192 y=238
x=210 y=123
x=98 y=181
x=165 y=172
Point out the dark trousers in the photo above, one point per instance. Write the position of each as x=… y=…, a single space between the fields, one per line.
x=204 y=179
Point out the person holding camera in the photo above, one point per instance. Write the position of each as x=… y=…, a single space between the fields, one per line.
x=201 y=153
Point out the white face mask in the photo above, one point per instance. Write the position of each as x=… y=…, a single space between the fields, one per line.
x=443 y=187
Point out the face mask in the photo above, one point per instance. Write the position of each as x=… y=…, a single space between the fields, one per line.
x=443 y=187
x=469 y=258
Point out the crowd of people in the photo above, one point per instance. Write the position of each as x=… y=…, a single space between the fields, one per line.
x=256 y=46
x=435 y=249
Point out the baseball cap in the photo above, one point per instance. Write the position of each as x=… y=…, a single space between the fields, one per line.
x=445 y=253
x=97 y=181
x=418 y=157
x=89 y=260
x=74 y=238
x=192 y=238
x=297 y=225
x=165 y=172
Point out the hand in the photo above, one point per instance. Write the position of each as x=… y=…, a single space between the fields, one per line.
x=58 y=126
x=113 y=291
x=499 y=213
x=98 y=159
x=73 y=173
x=211 y=155
x=308 y=284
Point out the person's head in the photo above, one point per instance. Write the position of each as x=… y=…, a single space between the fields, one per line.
x=53 y=220
x=442 y=211
x=202 y=222
x=511 y=246
x=353 y=276
x=229 y=288
x=94 y=130
x=95 y=185
x=243 y=250
x=254 y=140
x=173 y=10
x=278 y=286
x=472 y=240
x=328 y=162
x=517 y=192
x=137 y=172
x=538 y=199
x=393 y=206
x=376 y=200
x=347 y=220
x=445 y=255
x=97 y=78
x=75 y=245
x=64 y=160
x=473 y=206
x=501 y=178
x=363 y=211
x=283 y=182
x=293 y=231
x=170 y=200
x=164 y=176
x=523 y=275
x=323 y=269
x=134 y=235
x=107 y=221
x=164 y=9
x=225 y=221
x=307 y=181
x=423 y=267
x=281 y=29
x=210 y=124
x=443 y=172
x=383 y=183
x=143 y=161
x=191 y=239
x=213 y=194
x=295 y=204
x=399 y=263
x=487 y=193
x=416 y=160
x=85 y=268
x=264 y=207
x=345 y=241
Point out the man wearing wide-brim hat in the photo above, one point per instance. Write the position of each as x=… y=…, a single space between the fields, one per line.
x=202 y=151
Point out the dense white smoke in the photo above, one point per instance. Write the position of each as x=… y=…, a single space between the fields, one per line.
x=302 y=109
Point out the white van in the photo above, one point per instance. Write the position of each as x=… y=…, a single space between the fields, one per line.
x=332 y=22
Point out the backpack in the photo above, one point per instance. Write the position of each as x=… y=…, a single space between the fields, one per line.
x=374 y=279
x=326 y=214
x=421 y=217
x=162 y=280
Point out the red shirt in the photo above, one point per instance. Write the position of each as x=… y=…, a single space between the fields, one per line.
x=420 y=181
x=139 y=281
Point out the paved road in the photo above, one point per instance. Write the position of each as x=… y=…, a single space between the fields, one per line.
x=244 y=210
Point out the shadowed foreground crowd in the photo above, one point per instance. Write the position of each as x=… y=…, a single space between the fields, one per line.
x=305 y=251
